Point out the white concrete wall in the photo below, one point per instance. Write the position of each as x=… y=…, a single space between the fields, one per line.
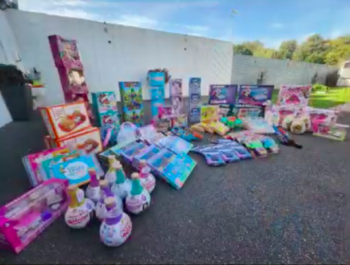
x=9 y=54
x=246 y=69
x=131 y=53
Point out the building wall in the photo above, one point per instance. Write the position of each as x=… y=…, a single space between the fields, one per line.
x=246 y=70
x=113 y=53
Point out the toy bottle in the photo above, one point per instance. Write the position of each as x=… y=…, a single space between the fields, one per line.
x=116 y=227
x=105 y=192
x=111 y=175
x=139 y=199
x=93 y=190
x=148 y=181
x=80 y=209
x=122 y=185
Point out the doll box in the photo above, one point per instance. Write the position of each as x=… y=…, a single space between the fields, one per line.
x=63 y=120
x=103 y=101
x=26 y=217
x=334 y=132
x=33 y=162
x=88 y=140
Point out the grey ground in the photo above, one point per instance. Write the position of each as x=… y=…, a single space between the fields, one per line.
x=287 y=208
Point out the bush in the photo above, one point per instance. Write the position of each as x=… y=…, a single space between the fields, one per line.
x=332 y=78
x=319 y=87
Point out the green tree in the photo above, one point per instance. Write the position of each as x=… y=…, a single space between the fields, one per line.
x=287 y=49
x=241 y=49
x=313 y=50
x=339 y=50
x=253 y=45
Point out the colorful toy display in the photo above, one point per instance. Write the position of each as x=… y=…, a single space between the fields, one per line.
x=331 y=131
x=194 y=91
x=147 y=179
x=222 y=94
x=139 y=199
x=32 y=163
x=326 y=116
x=111 y=175
x=116 y=227
x=88 y=140
x=122 y=185
x=175 y=144
x=294 y=95
x=186 y=135
x=26 y=217
x=232 y=122
x=156 y=81
x=176 y=96
x=145 y=154
x=93 y=190
x=219 y=128
x=70 y=69
x=209 y=114
x=80 y=209
x=128 y=133
x=131 y=94
x=258 y=125
x=62 y=120
x=255 y=94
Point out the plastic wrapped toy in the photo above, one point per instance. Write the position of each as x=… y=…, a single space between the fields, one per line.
x=116 y=227
x=80 y=209
x=128 y=133
x=147 y=179
x=122 y=185
x=331 y=131
x=188 y=136
x=111 y=175
x=105 y=192
x=139 y=199
x=93 y=190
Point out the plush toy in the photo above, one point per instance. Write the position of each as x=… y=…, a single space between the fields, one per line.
x=298 y=126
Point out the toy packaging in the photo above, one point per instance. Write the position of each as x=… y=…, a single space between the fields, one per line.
x=334 y=132
x=219 y=128
x=194 y=91
x=33 y=162
x=23 y=219
x=277 y=114
x=131 y=94
x=176 y=96
x=70 y=68
x=88 y=140
x=103 y=101
x=258 y=125
x=128 y=133
x=147 y=132
x=145 y=154
x=186 y=135
x=175 y=144
x=294 y=95
x=255 y=94
x=76 y=170
x=62 y=120
x=156 y=81
x=175 y=169
x=179 y=121
x=222 y=94
x=325 y=116
x=243 y=110
x=209 y=114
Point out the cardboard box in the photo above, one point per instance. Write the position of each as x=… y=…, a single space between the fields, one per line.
x=63 y=120
x=131 y=96
x=88 y=140
x=105 y=107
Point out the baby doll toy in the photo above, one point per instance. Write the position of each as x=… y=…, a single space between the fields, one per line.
x=80 y=209
x=116 y=227
x=105 y=192
x=93 y=190
x=122 y=185
x=148 y=181
x=139 y=199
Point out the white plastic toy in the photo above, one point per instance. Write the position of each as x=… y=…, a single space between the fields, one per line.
x=93 y=190
x=139 y=199
x=122 y=185
x=147 y=179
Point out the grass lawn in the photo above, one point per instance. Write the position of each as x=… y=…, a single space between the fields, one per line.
x=335 y=96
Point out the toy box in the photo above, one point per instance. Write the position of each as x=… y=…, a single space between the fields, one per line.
x=76 y=170
x=176 y=96
x=209 y=114
x=244 y=110
x=88 y=140
x=175 y=169
x=255 y=94
x=70 y=69
x=156 y=81
x=334 y=132
x=145 y=154
x=32 y=163
x=175 y=144
x=222 y=94
x=103 y=101
x=23 y=219
x=219 y=128
x=325 y=116
x=258 y=125
x=131 y=95
x=194 y=91
x=294 y=95
x=62 y=120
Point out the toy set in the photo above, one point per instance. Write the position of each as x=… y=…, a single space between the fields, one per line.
x=257 y=125
x=70 y=69
x=194 y=91
x=186 y=134
x=156 y=81
x=23 y=219
x=131 y=94
x=294 y=95
x=255 y=94
x=222 y=94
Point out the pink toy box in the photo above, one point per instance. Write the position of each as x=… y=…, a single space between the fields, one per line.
x=23 y=219
x=33 y=162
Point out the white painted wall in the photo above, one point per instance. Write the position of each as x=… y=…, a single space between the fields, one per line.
x=132 y=52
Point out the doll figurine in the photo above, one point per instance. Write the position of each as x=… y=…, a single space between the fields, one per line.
x=122 y=185
x=111 y=175
x=148 y=181
x=139 y=199
x=93 y=190
x=80 y=209
x=116 y=227
x=105 y=192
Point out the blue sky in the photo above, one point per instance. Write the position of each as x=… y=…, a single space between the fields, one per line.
x=270 y=21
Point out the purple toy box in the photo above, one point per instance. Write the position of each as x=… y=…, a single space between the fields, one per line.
x=23 y=219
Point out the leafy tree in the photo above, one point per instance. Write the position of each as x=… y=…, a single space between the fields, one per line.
x=241 y=49
x=313 y=50
x=287 y=49
x=339 y=50
x=253 y=45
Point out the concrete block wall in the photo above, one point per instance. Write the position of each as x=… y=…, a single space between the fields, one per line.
x=246 y=70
